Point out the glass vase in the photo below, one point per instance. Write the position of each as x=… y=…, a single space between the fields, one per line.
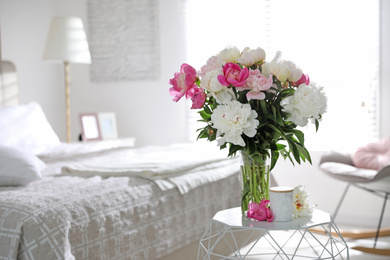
x=255 y=180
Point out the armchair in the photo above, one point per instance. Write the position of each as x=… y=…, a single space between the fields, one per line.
x=374 y=178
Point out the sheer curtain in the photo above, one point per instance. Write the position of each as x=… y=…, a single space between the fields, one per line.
x=335 y=42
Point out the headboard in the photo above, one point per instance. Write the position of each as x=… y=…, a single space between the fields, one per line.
x=9 y=91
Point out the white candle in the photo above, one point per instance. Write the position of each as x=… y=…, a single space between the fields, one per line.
x=281 y=203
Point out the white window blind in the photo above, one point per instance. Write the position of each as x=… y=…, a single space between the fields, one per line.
x=335 y=42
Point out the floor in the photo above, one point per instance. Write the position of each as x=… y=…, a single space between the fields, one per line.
x=383 y=242
x=357 y=255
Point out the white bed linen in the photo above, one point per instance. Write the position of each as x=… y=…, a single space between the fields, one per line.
x=182 y=166
x=66 y=217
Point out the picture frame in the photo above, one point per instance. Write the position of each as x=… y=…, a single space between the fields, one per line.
x=108 y=127
x=90 y=127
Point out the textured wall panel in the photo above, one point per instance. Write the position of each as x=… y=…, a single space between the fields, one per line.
x=124 y=40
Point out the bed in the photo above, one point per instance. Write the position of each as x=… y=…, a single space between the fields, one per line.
x=102 y=200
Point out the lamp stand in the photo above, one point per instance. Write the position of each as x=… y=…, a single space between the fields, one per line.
x=67 y=102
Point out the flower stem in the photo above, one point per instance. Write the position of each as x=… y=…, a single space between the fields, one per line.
x=255 y=181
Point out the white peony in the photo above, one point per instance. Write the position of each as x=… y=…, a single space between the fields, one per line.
x=232 y=120
x=250 y=57
x=282 y=70
x=294 y=73
x=224 y=96
x=301 y=207
x=306 y=102
x=230 y=54
x=258 y=54
x=211 y=83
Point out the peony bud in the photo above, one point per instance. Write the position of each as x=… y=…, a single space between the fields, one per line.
x=210 y=131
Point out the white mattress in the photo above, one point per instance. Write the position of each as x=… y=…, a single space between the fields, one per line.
x=73 y=217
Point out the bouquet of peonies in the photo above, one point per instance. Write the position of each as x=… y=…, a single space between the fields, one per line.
x=252 y=105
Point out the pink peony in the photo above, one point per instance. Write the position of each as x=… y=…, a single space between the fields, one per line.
x=213 y=63
x=198 y=97
x=257 y=83
x=260 y=211
x=183 y=82
x=303 y=80
x=233 y=75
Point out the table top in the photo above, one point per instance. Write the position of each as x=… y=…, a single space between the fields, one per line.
x=233 y=217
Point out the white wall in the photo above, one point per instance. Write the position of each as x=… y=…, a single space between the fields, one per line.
x=144 y=109
x=24 y=26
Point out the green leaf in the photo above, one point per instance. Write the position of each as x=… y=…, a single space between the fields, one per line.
x=308 y=157
x=233 y=149
x=300 y=135
x=305 y=153
x=205 y=115
x=290 y=158
x=317 y=125
x=280 y=132
x=278 y=117
x=274 y=158
x=294 y=149
x=203 y=134
x=280 y=146
x=251 y=146
x=286 y=92
x=284 y=153
x=263 y=106
x=207 y=110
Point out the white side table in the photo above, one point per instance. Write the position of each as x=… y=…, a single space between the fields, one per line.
x=232 y=236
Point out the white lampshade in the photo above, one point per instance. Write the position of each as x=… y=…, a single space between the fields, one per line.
x=67 y=41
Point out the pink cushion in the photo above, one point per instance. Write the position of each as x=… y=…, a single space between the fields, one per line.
x=373 y=155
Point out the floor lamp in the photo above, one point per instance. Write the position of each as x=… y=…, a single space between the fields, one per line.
x=67 y=43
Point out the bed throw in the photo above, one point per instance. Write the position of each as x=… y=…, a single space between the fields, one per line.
x=182 y=166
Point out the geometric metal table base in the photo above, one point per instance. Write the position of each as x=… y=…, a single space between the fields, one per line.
x=232 y=236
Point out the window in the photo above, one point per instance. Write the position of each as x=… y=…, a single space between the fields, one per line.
x=335 y=42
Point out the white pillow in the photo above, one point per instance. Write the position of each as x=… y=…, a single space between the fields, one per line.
x=19 y=168
x=26 y=127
